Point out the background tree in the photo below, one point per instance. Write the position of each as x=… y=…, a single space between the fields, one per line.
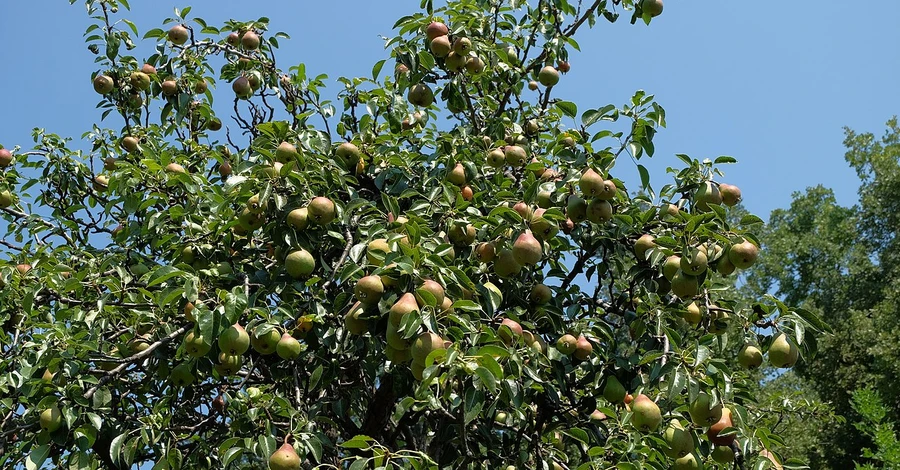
x=441 y=274
x=841 y=263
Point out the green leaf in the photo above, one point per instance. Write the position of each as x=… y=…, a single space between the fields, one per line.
x=376 y=70
x=115 y=448
x=359 y=441
x=163 y=274
x=725 y=159
x=487 y=378
x=568 y=108
x=37 y=457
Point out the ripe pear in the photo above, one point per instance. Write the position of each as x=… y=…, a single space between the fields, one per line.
x=783 y=353
x=743 y=255
x=6 y=158
x=467 y=193
x=515 y=156
x=692 y=314
x=139 y=80
x=178 y=34
x=722 y=454
x=405 y=305
x=420 y=95
x=286 y=152
x=646 y=415
x=724 y=265
x=599 y=211
x=300 y=264
x=51 y=419
x=724 y=422
x=354 y=321
x=696 y=265
x=679 y=440
x=369 y=289
x=485 y=252
x=533 y=85
x=435 y=29
x=750 y=356
x=6 y=199
x=671 y=267
x=527 y=250
x=597 y=417
x=288 y=348
x=424 y=344
x=250 y=41
x=583 y=349
x=434 y=289
x=653 y=7
x=234 y=340
x=505 y=265
x=613 y=391
x=457 y=175
x=642 y=245
x=540 y=294
x=523 y=210
x=731 y=194
x=298 y=218
x=440 y=46
x=689 y=461
x=264 y=343
x=241 y=87
x=175 y=168
x=548 y=76
x=321 y=210
x=702 y=414
x=566 y=344
x=169 y=87
x=608 y=190
x=285 y=458
x=590 y=183
x=576 y=209
x=181 y=375
x=509 y=331
x=103 y=84
x=707 y=193
x=684 y=285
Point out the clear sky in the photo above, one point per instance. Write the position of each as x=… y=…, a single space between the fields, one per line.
x=770 y=83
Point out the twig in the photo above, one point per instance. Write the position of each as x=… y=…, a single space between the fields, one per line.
x=348 y=234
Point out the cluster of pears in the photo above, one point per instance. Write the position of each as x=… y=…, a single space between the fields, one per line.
x=457 y=54
x=783 y=353
x=596 y=189
x=6 y=197
x=457 y=176
x=526 y=250
x=511 y=332
x=400 y=349
x=580 y=347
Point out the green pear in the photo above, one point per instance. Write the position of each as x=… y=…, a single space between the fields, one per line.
x=376 y=250
x=229 y=364
x=653 y=7
x=527 y=250
x=397 y=355
x=576 y=209
x=689 y=461
x=51 y=419
x=461 y=235
x=181 y=375
x=540 y=294
x=783 y=352
x=695 y=264
x=432 y=287
x=285 y=458
x=369 y=289
x=679 y=440
x=743 y=255
x=457 y=175
x=722 y=454
x=440 y=46
x=750 y=356
x=599 y=211
x=505 y=265
x=645 y=414
x=300 y=264
x=396 y=340
x=6 y=199
x=684 y=285
x=707 y=193
x=195 y=345
x=424 y=344
x=613 y=391
x=405 y=305
x=566 y=344
x=264 y=343
x=731 y=194
x=299 y=218
x=288 y=348
x=286 y=152
x=485 y=252
x=354 y=321
x=548 y=76
x=234 y=340
x=671 y=267
x=509 y=331
x=642 y=245
x=702 y=414
x=321 y=210
x=421 y=95
x=496 y=158
x=543 y=229
x=590 y=183
x=692 y=314
x=515 y=155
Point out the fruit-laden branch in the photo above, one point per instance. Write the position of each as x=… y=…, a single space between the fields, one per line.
x=53 y=227
x=137 y=357
x=71 y=301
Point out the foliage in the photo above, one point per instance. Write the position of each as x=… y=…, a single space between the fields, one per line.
x=841 y=263
x=868 y=404
x=131 y=269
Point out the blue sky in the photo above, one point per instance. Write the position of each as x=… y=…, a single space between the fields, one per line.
x=771 y=84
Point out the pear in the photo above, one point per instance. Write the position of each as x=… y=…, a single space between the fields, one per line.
x=527 y=249
x=750 y=357
x=689 y=461
x=434 y=289
x=646 y=415
x=544 y=199
x=718 y=320
x=435 y=29
x=684 y=285
x=229 y=364
x=724 y=266
x=286 y=152
x=376 y=250
x=713 y=432
x=462 y=46
x=697 y=263
x=169 y=87
x=496 y=158
x=783 y=353
x=576 y=209
x=6 y=199
x=692 y=314
x=743 y=255
x=103 y=84
x=642 y=245
x=485 y=252
x=418 y=370
x=424 y=344
x=505 y=265
x=264 y=343
x=607 y=191
x=597 y=417
x=250 y=41
x=590 y=183
x=195 y=345
x=250 y=221
x=101 y=183
x=523 y=210
x=583 y=349
x=671 y=267
x=440 y=46
x=548 y=76
x=6 y=158
x=566 y=344
x=406 y=304
x=299 y=264
x=369 y=289
x=321 y=210
x=349 y=153
x=731 y=195
x=722 y=454
x=51 y=419
x=255 y=206
x=397 y=355
x=298 y=218
x=395 y=339
x=679 y=440
x=457 y=175
x=446 y=305
x=421 y=95
x=288 y=348
x=181 y=375
x=702 y=414
x=540 y=294
x=461 y=235
x=285 y=458
x=178 y=34
x=509 y=331
x=353 y=321
x=599 y=211
x=613 y=391
x=234 y=340
x=515 y=156
x=242 y=88
x=543 y=229
x=707 y=193
x=466 y=192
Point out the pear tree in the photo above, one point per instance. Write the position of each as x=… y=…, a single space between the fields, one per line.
x=436 y=265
